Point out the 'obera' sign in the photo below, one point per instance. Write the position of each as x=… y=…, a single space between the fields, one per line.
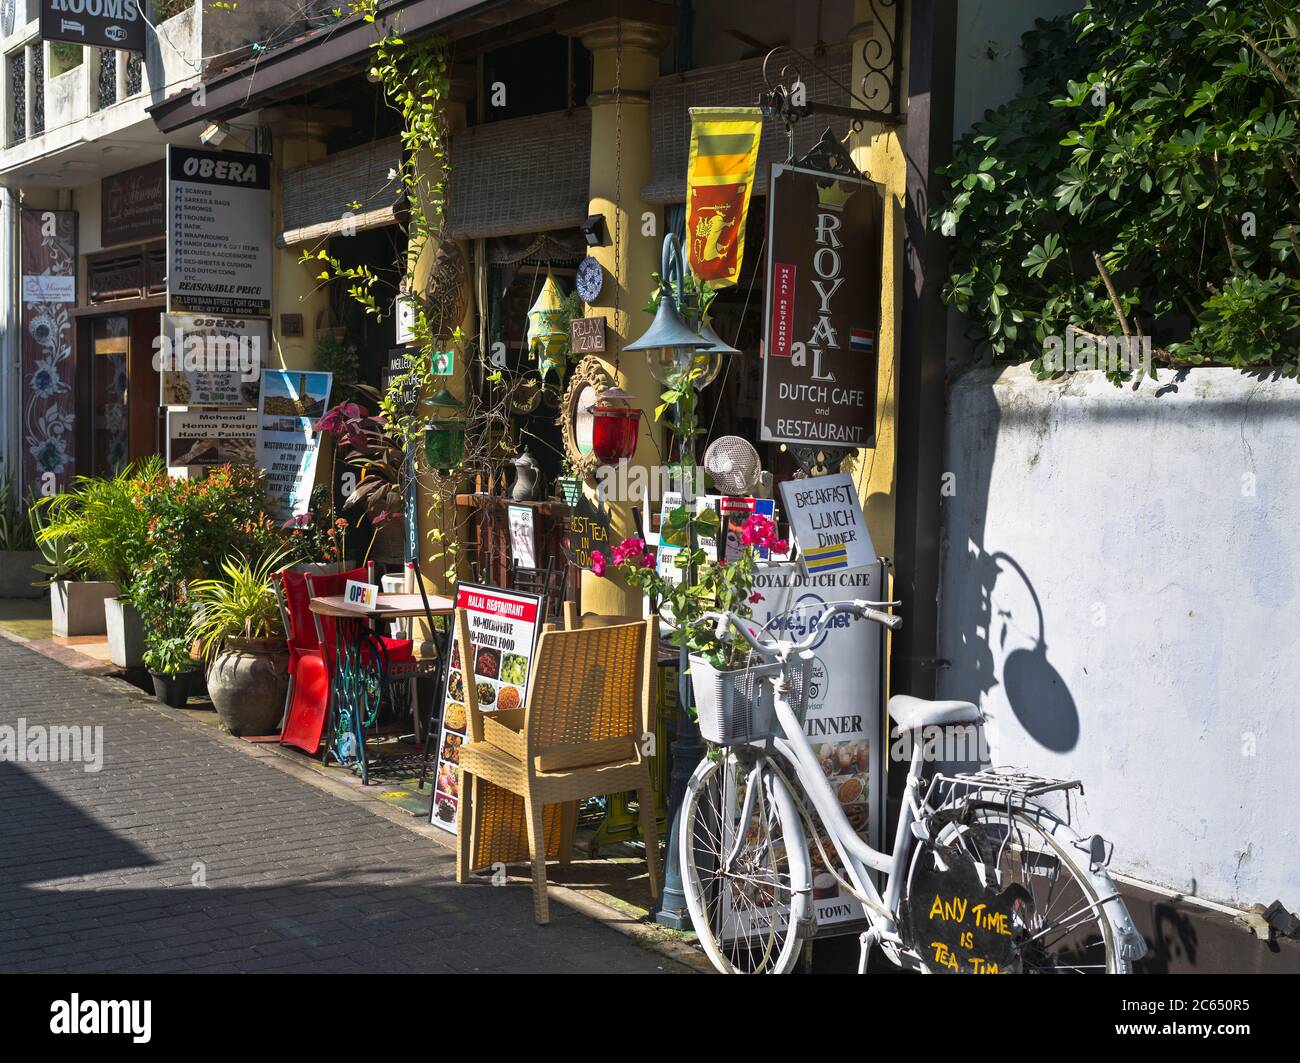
x=102 y=23
x=218 y=233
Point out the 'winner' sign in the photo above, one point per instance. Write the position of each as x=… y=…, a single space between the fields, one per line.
x=823 y=307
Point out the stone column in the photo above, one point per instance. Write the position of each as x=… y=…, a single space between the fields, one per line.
x=626 y=55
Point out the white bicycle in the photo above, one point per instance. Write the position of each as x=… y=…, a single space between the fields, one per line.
x=982 y=878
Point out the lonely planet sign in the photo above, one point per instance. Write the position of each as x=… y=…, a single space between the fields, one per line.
x=823 y=308
x=102 y=23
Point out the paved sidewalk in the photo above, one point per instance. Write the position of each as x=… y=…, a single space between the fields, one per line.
x=98 y=871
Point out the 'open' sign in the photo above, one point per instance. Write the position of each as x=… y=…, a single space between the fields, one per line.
x=361 y=594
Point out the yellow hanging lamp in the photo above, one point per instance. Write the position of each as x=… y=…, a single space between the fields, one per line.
x=548 y=338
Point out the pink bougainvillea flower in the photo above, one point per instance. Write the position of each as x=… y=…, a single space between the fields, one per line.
x=755 y=598
x=597 y=563
x=648 y=560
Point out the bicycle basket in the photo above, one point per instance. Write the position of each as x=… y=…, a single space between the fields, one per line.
x=737 y=706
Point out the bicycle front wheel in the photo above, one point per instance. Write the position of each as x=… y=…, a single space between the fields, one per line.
x=744 y=866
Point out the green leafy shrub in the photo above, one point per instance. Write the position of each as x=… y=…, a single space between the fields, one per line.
x=1154 y=146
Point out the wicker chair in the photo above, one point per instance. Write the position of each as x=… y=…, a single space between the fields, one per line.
x=590 y=701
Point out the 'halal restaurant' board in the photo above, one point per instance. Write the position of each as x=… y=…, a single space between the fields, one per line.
x=503 y=629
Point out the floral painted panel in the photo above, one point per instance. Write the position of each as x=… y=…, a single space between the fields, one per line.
x=49 y=357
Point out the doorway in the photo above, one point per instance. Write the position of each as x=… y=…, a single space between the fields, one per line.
x=120 y=389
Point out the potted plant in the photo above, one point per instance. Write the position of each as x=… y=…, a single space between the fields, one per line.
x=19 y=556
x=238 y=627
x=719 y=660
x=172 y=670
x=106 y=519
x=76 y=600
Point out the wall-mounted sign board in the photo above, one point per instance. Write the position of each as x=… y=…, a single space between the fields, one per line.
x=101 y=23
x=587 y=335
x=823 y=307
x=218 y=232
x=133 y=205
x=209 y=361
x=211 y=437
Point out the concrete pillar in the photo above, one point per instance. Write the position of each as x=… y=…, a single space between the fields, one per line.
x=625 y=51
x=298 y=136
x=442 y=522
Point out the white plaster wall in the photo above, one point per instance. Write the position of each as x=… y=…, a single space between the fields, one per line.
x=1159 y=533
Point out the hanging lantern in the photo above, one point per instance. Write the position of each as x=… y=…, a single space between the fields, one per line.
x=444 y=433
x=614 y=426
x=547 y=336
x=671 y=346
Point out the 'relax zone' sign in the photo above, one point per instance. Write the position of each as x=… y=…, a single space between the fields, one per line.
x=823 y=308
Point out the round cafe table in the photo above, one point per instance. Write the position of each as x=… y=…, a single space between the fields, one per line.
x=360 y=669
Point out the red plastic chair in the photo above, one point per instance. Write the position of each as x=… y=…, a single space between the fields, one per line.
x=311 y=653
x=307 y=702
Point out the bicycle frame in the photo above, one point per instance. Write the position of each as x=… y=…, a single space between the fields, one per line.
x=860 y=859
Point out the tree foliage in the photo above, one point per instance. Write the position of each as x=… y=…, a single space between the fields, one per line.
x=1155 y=149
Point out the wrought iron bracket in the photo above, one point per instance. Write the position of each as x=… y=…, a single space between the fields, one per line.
x=879 y=92
x=815 y=459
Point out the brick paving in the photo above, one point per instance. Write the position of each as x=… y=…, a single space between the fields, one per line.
x=98 y=870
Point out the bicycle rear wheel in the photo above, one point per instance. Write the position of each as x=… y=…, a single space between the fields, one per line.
x=744 y=866
x=1006 y=894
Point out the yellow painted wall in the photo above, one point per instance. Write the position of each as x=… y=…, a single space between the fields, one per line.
x=878 y=152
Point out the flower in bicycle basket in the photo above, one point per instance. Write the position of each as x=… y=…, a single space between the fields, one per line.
x=597 y=563
x=755 y=598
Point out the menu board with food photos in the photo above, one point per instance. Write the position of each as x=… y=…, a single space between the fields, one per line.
x=844 y=723
x=503 y=630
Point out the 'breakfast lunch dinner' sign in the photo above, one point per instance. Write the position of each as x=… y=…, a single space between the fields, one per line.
x=827 y=522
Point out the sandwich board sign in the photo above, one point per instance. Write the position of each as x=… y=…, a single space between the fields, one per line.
x=503 y=630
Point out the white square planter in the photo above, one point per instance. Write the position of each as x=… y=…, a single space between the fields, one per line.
x=77 y=608
x=125 y=633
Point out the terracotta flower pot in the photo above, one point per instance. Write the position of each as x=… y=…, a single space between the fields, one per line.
x=247 y=684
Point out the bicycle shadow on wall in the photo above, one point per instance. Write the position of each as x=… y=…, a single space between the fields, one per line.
x=1034 y=689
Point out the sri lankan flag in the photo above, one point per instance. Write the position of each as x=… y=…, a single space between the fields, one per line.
x=719 y=180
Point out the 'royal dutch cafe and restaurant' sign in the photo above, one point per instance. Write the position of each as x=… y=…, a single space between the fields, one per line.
x=823 y=309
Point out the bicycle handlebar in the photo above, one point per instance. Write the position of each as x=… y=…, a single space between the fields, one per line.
x=773 y=648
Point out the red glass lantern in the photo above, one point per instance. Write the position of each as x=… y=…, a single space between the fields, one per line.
x=614 y=426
